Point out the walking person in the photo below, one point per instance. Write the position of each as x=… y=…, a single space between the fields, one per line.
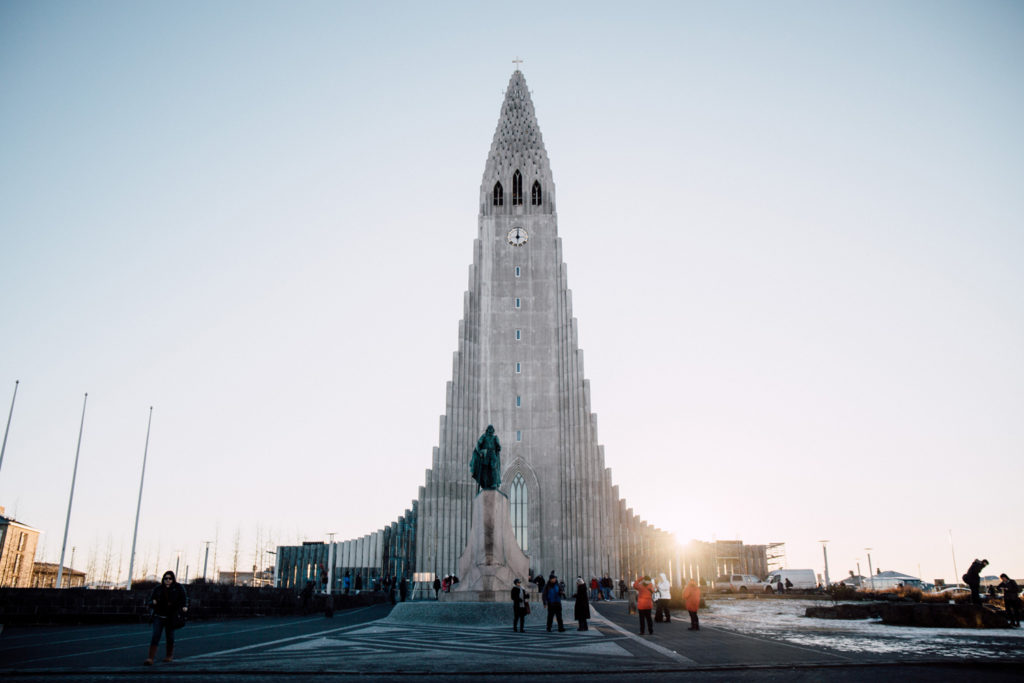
x=645 y=602
x=552 y=597
x=437 y=588
x=973 y=580
x=663 y=596
x=520 y=606
x=1011 y=599
x=168 y=603
x=691 y=600
x=582 y=610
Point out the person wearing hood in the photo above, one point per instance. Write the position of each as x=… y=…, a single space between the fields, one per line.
x=645 y=602
x=552 y=597
x=691 y=600
x=168 y=603
x=662 y=597
x=582 y=610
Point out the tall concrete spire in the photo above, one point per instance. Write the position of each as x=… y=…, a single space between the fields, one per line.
x=517 y=145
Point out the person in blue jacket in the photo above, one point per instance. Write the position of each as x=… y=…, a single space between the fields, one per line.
x=552 y=598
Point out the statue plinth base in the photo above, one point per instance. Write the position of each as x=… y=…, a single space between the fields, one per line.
x=492 y=559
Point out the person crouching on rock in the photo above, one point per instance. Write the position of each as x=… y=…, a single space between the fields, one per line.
x=168 y=603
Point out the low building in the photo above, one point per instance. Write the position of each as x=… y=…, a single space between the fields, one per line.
x=17 y=552
x=886 y=581
x=44 y=575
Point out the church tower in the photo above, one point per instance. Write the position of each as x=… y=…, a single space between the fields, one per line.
x=518 y=367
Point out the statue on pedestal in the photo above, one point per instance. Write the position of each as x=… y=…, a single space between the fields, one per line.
x=486 y=462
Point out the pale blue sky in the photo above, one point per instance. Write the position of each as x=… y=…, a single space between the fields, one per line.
x=792 y=229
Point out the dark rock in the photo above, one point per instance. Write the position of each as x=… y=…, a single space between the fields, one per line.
x=864 y=610
x=941 y=615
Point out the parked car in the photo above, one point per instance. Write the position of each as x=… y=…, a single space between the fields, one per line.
x=954 y=591
x=739 y=583
x=802 y=579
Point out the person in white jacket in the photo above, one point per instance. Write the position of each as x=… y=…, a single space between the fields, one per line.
x=662 y=597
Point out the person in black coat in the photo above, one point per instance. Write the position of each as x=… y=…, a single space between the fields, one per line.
x=1011 y=599
x=582 y=611
x=168 y=603
x=520 y=606
x=973 y=580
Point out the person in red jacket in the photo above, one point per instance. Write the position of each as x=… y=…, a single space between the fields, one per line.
x=645 y=602
x=691 y=600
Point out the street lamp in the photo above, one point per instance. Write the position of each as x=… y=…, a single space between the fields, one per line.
x=330 y=561
x=206 y=558
x=824 y=549
x=871 y=571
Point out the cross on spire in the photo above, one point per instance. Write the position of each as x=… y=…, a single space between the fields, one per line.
x=517 y=61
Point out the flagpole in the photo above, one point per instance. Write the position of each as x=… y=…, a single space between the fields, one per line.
x=3 y=448
x=138 y=507
x=71 y=497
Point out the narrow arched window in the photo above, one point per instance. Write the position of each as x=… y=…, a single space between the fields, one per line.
x=517 y=188
x=535 y=194
x=517 y=501
x=499 y=195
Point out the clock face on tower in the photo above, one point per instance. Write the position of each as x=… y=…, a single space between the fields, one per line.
x=517 y=237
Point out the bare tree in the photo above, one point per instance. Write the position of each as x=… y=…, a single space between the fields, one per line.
x=107 y=559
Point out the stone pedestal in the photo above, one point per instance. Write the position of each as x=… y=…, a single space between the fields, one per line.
x=492 y=558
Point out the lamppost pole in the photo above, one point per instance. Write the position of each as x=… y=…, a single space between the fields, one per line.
x=71 y=496
x=10 y=413
x=138 y=506
x=330 y=562
x=824 y=550
x=206 y=559
x=871 y=570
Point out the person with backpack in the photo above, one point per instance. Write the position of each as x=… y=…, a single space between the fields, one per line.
x=168 y=604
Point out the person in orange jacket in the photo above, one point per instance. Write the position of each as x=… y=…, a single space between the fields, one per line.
x=645 y=602
x=691 y=600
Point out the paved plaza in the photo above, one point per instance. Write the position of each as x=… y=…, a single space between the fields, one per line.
x=736 y=642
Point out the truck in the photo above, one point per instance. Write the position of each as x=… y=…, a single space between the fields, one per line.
x=802 y=580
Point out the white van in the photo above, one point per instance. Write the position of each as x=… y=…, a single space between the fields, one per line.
x=802 y=579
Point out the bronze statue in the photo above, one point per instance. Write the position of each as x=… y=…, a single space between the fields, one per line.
x=486 y=462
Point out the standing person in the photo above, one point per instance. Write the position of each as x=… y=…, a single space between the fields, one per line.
x=552 y=598
x=664 y=595
x=520 y=606
x=359 y=583
x=645 y=602
x=1011 y=599
x=781 y=586
x=582 y=610
x=789 y=585
x=539 y=580
x=973 y=580
x=346 y=583
x=607 y=586
x=403 y=588
x=691 y=600
x=437 y=588
x=594 y=588
x=168 y=604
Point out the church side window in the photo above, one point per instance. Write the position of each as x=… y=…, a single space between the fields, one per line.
x=535 y=193
x=519 y=335
x=517 y=188
x=518 y=302
x=519 y=367
x=517 y=502
x=499 y=195
x=519 y=435
x=519 y=401
x=518 y=271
